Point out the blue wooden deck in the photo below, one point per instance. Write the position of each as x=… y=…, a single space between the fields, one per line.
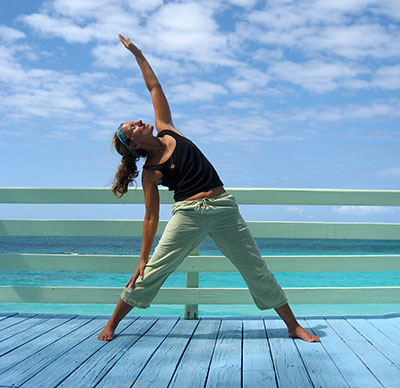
x=62 y=351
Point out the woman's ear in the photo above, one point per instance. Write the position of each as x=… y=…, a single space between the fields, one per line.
x=134 y=146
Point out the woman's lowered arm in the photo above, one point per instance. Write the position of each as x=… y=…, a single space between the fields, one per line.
x=150 y=223
x=162 y=111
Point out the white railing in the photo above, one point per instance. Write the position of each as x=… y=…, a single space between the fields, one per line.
x=191 y=296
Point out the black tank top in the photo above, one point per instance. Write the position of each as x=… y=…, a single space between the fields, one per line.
x=187 y=171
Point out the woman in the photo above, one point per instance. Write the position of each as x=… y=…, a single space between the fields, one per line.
x=202 y=208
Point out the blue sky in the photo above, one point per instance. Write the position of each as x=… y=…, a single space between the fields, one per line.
x=301 y=94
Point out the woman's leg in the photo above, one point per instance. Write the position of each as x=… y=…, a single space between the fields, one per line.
x=183 y=233
x=294 y=329
x=233 y=238
x=121 y=310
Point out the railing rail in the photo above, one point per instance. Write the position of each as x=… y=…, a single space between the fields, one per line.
x=192 y=295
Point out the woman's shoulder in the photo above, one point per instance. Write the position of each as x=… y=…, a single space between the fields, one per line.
x=164 y=129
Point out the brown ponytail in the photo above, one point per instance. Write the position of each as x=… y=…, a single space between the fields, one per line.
x=127 y=171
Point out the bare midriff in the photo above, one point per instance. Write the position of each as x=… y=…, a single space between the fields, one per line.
x=207 y=194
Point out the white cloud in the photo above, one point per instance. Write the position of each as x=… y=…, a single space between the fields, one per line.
x=394 y=171
x=243 y=3
x=185 y=30
x=360 y=210
x=196 y=91
x=9 y=35
x=81 y=22
x=248 y=80
x=375 y=109
x=144 y=5
x=355 y=41
x=315 y=75
x=59 y=27
x=387 y=77
x=329 y=27
x=295 y=210
x=188 y=30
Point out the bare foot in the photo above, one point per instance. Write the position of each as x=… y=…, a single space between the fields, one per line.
x=299 y=332
x=106 y=334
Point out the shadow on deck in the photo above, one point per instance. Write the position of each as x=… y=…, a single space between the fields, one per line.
x=62 y=351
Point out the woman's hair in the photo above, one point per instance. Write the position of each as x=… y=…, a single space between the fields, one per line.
x=128 y=170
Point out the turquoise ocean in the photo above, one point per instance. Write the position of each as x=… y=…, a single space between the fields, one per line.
x=131 y=245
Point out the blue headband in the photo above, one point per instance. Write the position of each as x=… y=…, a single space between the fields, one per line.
x=122 y=138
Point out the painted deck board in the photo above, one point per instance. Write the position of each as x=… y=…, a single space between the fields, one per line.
x=288 y=364
x=126 y=371
x=384 y=370
x=193 y=368
x=258 y=370
x=63 y=351
x=344 y=358
x=161 y=367
x=226 y=363
x=317 y=359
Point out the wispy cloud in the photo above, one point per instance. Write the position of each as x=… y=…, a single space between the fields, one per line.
x=394 y=171
x=9 y=35
x=196 y=91
x=316 y=75
x=360 y=210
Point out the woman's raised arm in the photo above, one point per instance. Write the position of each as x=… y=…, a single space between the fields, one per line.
x=162 y=112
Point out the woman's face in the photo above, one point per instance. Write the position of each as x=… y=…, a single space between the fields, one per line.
x=136 y=131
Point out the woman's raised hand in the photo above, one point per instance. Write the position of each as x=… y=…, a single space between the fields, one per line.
x=129 y=45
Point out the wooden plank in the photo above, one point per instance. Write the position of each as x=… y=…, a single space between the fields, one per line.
x=226 y=363
x=325 y=230
x=125 y=371
x=21 y=324
x=158 y=372
x=316 y=359
x=31 y=333
x=289 y=367
x=12 y=321
x=258 y=369
x=56 y=372
x=74 y=227
x=384 y=343
x=342 y=295
x=259 y=196
x=120 y=361
x=383 y=369
x=267 y=229
x=193 y=367
x=396 y=321
x=5 y=315
x=295 y=196
x=192 y=264
x=228 y=296
x=64 y=338
x=351 y=368
x=68 y=195
x=386 y=326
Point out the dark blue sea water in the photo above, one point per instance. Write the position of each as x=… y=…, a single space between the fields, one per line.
x=131 y=245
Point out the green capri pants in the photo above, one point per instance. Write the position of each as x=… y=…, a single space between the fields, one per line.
x=190 y=224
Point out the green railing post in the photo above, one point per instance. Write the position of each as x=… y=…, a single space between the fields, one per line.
x=192 y=281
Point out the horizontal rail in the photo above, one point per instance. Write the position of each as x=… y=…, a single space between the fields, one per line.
x=194 y=296
x=266 y=229
x=129 y=263
x=255 y=196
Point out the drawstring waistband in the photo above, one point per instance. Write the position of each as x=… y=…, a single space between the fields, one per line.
x=202 y=204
